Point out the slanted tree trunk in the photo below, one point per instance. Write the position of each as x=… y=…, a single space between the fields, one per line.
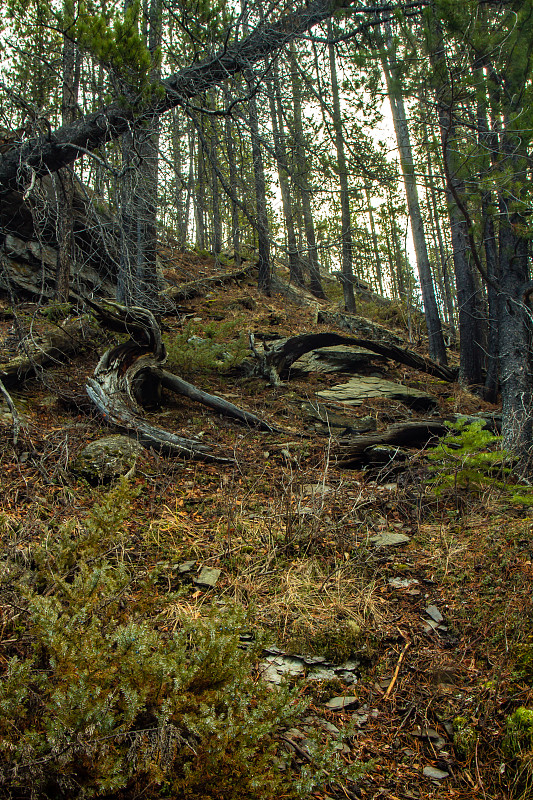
x=63 y=146
x=437 y=348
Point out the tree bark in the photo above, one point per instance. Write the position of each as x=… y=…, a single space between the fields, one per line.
x=301 y=179
x=346 y=219
x=437 y=349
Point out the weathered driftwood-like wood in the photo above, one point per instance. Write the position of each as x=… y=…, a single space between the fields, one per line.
x=351 y=452
x=129 y=377
x=49 y=349
x=175 y=384
x=282 y=355
x=116 y=413
x=13 y=412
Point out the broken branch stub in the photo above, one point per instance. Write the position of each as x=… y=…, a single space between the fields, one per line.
x=129 y=378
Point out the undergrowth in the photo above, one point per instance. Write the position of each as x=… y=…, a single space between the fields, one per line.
x=97 y=697
x=207 y=346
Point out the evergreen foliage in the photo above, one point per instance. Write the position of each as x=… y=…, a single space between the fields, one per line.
x=471 y=458
x=97 y=698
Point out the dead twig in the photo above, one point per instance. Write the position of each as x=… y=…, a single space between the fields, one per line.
x=396 y=671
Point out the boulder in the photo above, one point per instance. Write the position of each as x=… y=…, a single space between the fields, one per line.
x=338 y=358
x=105 y=460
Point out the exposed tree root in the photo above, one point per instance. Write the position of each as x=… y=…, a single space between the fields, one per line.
x=280 y=356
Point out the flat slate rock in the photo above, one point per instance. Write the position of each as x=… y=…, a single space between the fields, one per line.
x=338 y=358
x=357 y=390
x=389 y=539
x=435 y=774
x=340 y=703
x=208 y=577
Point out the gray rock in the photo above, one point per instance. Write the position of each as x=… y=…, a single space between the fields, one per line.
x=338 y=358
x=389 y=539
x=340 y=703
x=435 y=774
x=322 y=674
x=186 y=567
x=327 y=418
x=357 y=390
x=434 y=613
x=106 y=459
x=315 y=489
x=208 y=577
x=402 y=583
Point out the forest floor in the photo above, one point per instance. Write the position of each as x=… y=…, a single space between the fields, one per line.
x=291 y=533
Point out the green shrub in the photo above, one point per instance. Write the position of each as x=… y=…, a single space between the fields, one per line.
x=201 y=346
x=471 y=458
x=96 y=698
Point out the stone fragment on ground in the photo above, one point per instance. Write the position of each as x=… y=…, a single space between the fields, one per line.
x=338 y=358
x=389 y=539
x=326 y=420
x=402 y=583
x=435 y=774
x=207 y=578
x=357 y=390
x=277 y=665
x=341 y=703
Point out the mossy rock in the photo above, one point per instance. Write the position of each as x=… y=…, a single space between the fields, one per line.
x=105 y=460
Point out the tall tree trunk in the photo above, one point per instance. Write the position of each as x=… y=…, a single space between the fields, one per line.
x=264 y=277
x=515 y=330
x=199 y=195
x=64 y=180
x=435 y=214
x=346 y=221
x=138 y=285
x=301 y=178
x=375 y=247
x=215 y=194
x=276 y=114
x=437 y=350
x=233 y=178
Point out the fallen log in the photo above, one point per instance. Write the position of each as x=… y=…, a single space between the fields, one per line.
x=351 y=451
x=357 y=450
x=197 y=288
x=175 y=384
x=280 y=355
